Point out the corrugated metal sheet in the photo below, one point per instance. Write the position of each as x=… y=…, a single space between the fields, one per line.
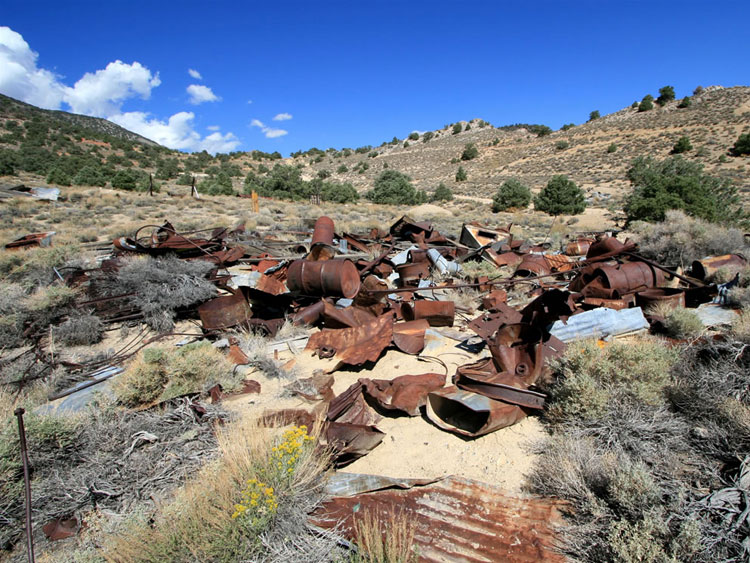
x=599 y=323
x=458 y=520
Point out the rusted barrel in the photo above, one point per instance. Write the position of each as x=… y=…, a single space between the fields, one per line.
x=410 y=274
x=702 y=269
x=532 y=265
x=437 y=313
x=675 y=297
x=578 y=247
x=321 y=247
x=329 y=278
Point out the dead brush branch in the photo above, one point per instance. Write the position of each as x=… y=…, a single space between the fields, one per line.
x=382 y=539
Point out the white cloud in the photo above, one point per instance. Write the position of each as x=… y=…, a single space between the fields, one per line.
x=213 y=127
x=102 y=94
x=282 y=116
x=19 y=76
x=249 y=101
x=269 y=132
x=199 y=94
x=195 y=74
x=177 y=132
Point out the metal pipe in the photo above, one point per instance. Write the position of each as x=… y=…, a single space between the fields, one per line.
x=27 y=484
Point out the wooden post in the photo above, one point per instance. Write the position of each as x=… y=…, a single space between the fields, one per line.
x=150 y=185
x=256 y=206
x=194 y=190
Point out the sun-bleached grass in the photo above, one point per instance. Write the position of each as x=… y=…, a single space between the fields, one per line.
x=384 y=539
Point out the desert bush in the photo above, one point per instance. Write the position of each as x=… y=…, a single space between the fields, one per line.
x=590 y=378
x=221 y=184
x=511 y=195
x=80 y=329
x=560 y=196
x=161 y=287
x=461 y=175
x=160 y=374
x=680 y=239
x=666 y=94
x=562 y=145
x=393 y=187
x=741 y=145
x=682 y=145
x=594 y=115
x=457 y=128
x=683 y=323
x=216 y=503
x=413 y=136
x=685 y=102
x=647 y=103
x=59 y=177
x=442 y=193
x=470 y=152
x=611 y=148
x=676 y=183
x=90 y=176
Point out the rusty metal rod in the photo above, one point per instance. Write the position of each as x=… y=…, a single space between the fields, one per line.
x=27 y=484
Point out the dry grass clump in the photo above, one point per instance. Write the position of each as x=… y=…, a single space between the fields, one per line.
x=683 y=323
x=211 y=519
x=160 y=373
x=741 y=327
x=680 y=239
x=590 y=378
x=384 y=539
x=740 y=295
x=80 y=329
x=637 y=469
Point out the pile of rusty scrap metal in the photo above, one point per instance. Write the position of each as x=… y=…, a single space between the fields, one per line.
x=369 y=292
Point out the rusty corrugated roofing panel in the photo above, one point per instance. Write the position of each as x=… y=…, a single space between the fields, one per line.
x=459 y=520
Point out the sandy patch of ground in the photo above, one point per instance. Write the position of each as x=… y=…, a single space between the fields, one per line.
x=413 y=446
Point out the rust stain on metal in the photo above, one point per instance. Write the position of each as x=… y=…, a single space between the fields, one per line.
x=436 y=313
x=225 y=312
x=458 y=520
x=702 y=269
x=32 y=240
x=409 y=336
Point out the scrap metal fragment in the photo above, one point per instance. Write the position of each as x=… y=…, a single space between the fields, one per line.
x=406 y=393
x=357 y=345
x=332 y=278
x=409 y=336
x=225 y=311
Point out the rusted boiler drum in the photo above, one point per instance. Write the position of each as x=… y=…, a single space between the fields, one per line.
x=329 y=278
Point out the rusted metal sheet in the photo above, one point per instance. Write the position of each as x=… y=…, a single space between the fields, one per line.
x=436 y=313
x=309 y=315
x=346 y=317
x=406 y=393
x=32 y=240
x=494 y=299
x=605 y=246
x=503 y=259
x=409 y=336
x=458 y=520
x=61 y=528
x=350 y=441
x=350 y=407
x=486 y=324
x=517 y=350
x=333 y=278
x=225 y=311
x=705 y=268
x=237 y=356
x=354 y=346
x=319 y=387
x=475 y=235
x=469 y=414
x=532 y=265
x=625 y=302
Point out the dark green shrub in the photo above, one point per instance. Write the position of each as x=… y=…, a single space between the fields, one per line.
x=406 y=144
x=612 y=148
x=393 y=187
x=124 y=180
x=511 y=195
x=457 y=128
x=427 y=136
x=414 y=136
x=594 y=115
x=676 y=183
x=647 y=103
x=461 y=174
x=741 y=145
x=562 y=145
x=682 y=145
x=567 y=126
x=221 y=184
x=323 y=174
x=470 y=152
x=338 y=193
x=685 y=102
x=185 y=179
x=634 y=105
x=666 y=94
x=8 y=162
x=698 y=91
x=90 y=176
x=560 y=196
x=342 y=169
x=442 y=193
x=541 y=130
x=468 y=126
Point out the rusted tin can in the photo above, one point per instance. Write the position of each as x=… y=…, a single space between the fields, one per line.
x=437 y=313
x=410 y=274
x=532 y=265
x=417 y=255
x=578 y=247
x=326 y=278
x=323 y=231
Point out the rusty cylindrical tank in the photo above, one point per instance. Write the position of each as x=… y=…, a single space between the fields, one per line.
x=437 y=313
x=330 y=278
x=321 y=246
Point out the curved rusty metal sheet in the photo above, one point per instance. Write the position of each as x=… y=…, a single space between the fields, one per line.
x=225 y=311
x=409 y=336
x=702 y=269
x=458 y=520
x=355 y=346
x=406 y=393
x=436 y=313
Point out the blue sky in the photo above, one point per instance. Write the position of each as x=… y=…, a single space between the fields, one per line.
x=346 y=74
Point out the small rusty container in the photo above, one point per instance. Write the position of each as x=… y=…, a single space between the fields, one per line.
x=437 y=313
x=410 y=274
x=325 y=278
x=675 y=297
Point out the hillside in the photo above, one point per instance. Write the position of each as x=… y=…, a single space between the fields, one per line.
x=89 y=127
x=596 y=154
